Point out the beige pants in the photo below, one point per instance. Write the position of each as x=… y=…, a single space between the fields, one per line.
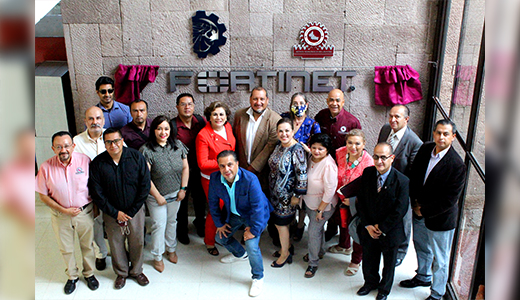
x=65 y=227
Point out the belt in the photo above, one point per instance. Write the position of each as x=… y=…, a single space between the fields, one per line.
x=85 y=206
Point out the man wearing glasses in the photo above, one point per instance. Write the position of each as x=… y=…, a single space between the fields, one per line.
x=382 y=202
x=187 y=125
x=119 y=183
x=62 y=185
x=116 y=114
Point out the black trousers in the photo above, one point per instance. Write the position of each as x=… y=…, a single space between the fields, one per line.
x=372 y=251
x=199 y=204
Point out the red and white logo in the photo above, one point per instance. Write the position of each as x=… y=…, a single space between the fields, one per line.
x=313 y=39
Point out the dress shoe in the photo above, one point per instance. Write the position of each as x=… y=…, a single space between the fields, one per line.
x=414 y=282
x=172 y=257
x=431 y=298
x=183 y=239
x=101 y=263
x=398 y=262
x=158 y=265
x=70 y=286
x=120 y=282
x=365 y=290
x=381 y=296
x=288 y=260
x=141 y=279
x=92 y=282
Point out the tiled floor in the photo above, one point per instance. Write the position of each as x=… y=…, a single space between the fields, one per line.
x=201 y=276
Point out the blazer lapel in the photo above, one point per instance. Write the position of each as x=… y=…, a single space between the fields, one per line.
x=261 y=129
x=244 y=120
x=439 y=167
x=402 y=143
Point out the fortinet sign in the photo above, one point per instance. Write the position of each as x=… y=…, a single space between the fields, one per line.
x=222 y=81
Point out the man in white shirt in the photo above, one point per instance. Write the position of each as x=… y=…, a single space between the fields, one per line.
x=90 y=142
x=405 y=144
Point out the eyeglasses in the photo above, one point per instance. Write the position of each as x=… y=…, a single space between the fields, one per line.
x=383 y=158
x=109 y=142
x=103 y=91
x=186 y=104
x=59 y=148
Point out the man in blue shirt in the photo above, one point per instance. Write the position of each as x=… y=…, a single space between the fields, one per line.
x=116 y=114
x=244 y=204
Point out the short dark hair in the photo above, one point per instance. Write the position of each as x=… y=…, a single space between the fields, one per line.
x=138 y=101
x=387 y=145
x=152 y=139
x=406 y=109
x=227 y=153
x=111 y=130
x=104 y=80
x=446 y=122
x=60 y=133
x=184 y=95
x=323 y=139
x=214 y=105
x=258 y=88
x=284 y=120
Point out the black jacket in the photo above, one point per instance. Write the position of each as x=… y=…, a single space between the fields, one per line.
x=123 y=187
x=439 y=195
x=386 y=208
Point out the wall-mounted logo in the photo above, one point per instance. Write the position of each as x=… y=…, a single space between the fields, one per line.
x=207 y=34
x=313 y=39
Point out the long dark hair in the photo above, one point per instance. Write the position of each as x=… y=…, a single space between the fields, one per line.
x=152 y=139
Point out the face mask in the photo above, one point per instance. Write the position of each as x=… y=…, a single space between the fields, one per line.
x=299 y=111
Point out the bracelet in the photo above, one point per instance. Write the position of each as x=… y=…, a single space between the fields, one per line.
x=183 y=188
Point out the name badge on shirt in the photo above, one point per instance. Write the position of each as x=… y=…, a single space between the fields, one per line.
x=79 y=171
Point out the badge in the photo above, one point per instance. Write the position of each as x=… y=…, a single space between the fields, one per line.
x=313 y=39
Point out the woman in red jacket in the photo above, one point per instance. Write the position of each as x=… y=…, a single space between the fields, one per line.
x=214 y=138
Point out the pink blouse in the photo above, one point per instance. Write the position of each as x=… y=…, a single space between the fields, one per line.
x=346 y=174
x=322 y=180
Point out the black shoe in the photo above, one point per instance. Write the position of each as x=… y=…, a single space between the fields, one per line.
x=291 y=251
x=101 y=263
x=330 y=234
x=288 y=261
x=365 y=290
x=414 y=282
x=431 y=298
x=92 y=282
x=398 y=262
x=381 y=296
x=70 y=286
x=184 y=239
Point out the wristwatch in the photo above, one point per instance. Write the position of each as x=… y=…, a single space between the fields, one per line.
x=183 y=187
x=319 y=211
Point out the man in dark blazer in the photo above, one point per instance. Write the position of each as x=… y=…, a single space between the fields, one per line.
x=244 y=205
x=437 y=179
x=381 y=203
x=405 y=144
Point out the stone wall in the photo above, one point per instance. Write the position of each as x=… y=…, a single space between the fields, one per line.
x=100 y=35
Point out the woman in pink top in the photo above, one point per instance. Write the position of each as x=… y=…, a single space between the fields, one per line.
x=321 y=199
x=352 y=160
x=214 y=138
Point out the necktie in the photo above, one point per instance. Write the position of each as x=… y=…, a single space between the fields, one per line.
x=392 y=140
x=379 y=183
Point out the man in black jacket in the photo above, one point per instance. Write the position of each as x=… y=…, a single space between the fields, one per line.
x=119 y=183
x=382 y=203
x=437 y=179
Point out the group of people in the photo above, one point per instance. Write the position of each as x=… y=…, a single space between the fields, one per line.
x=260 y=172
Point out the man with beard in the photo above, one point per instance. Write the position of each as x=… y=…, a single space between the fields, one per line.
x=90 y=143
x=136 y=132
x=116 y=114
x=62 y=185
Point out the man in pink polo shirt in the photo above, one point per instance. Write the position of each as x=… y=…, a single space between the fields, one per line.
x=62 y=185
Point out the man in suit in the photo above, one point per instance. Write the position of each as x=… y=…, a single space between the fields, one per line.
x=437 y=179
x=244 y=206
x=382 y=203
x=405 y=144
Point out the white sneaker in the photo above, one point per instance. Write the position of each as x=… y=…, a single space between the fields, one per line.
x=230 y=258
x=256 y=287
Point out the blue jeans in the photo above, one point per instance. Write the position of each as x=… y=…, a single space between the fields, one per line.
x=252 y=247
x=423 y=250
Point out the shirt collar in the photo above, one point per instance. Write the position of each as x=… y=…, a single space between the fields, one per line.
x=94 y=140
x=225 y=183
x=400 y=132
x=385 y=175
x=441 y=154
x=250 y=112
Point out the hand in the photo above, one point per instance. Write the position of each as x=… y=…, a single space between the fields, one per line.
x=305 y=147
x=417 y=210
x=122 y=217
x=181 y=195
x=251 y=169
x=346 y=201
x=161 y=201
x=319 y=216
x=247 y=234
x=95 y=211
x=72 y=211
x=224 y=230
x=374 y=232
